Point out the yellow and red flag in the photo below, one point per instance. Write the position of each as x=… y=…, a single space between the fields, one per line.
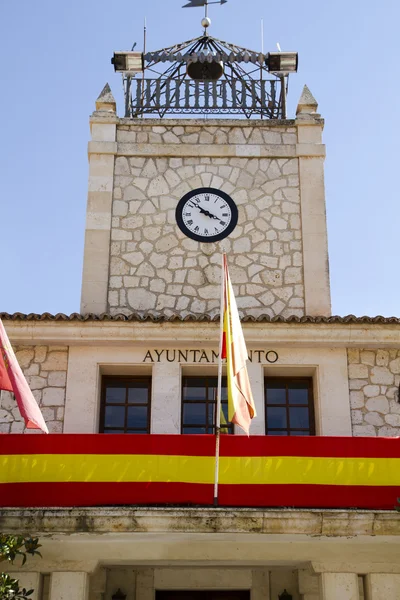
x=241 y=407
x=260 y=471
x=13 y=380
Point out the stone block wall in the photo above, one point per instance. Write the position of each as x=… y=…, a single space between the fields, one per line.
x=45 y=369
x=155 y=267
x=374 y=379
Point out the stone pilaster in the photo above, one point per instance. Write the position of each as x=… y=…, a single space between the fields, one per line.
x=65 y=585
x=311 y=153
x=102 y=150
x=97 y=585
x=256 y=376
x=29 y=580
x=260 y=585
x=145 y=584
x=309 y=585
x=382 y=586
x=166 y=398
x=339 y=585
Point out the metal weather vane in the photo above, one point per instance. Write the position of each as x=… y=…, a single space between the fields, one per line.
x=205 y=3
x=206 y=22
x=196 y=3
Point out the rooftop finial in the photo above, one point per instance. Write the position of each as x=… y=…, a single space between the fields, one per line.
x=106 y=100
x=307 y=103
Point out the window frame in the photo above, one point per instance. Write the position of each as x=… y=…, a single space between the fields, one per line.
x=124 y=379
x=229 y=429
x=310 y=405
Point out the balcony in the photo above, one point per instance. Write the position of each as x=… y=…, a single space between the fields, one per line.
x=80 y=470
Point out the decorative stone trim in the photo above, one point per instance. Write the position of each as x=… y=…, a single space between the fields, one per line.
x=202 y=520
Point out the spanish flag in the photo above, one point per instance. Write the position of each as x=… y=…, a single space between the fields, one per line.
x=241 y=407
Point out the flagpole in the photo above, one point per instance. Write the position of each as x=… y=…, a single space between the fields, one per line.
x=219 y=387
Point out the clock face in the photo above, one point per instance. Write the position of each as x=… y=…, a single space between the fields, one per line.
x=206 y=215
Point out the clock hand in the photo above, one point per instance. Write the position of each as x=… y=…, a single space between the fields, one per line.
x=205 y=212
x=198 y=206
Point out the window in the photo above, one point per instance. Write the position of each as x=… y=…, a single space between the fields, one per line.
x=125 y=405
x=289 y=408
x=199 y=405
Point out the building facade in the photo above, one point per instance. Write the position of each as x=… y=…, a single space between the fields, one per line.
x=141 y=358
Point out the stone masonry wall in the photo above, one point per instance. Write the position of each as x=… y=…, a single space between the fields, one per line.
x=45 y=368
x=155 y=267
x=374 y=379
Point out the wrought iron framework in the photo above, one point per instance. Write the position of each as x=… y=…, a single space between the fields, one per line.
x=246 y=86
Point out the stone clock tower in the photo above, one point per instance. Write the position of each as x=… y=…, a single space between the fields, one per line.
x=167 y=195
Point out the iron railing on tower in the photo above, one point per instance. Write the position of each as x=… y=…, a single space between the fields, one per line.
x=174 y=96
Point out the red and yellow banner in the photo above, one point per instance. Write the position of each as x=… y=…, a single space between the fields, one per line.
x=261 y=471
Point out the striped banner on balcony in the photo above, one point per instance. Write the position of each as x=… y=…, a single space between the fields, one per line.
x=99 y=469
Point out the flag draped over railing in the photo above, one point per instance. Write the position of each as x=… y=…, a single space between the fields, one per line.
x=156 y=469
x=13 y=380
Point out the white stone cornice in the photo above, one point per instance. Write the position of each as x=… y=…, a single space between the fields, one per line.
x=309 y=522
x=175 y=334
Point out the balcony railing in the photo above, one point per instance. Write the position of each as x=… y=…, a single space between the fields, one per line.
x=260 y=471
x=162 y=96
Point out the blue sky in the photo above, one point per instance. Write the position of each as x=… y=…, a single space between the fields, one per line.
x=55 y=61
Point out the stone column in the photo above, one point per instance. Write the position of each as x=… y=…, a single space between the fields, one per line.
x=311 y=153
x=343 y=586
x=260 y=585
x=29 y=580
x=102 y=150
x=166 y=398
x=69 y=585
x=382 y=586
x=97 y=584
x=256 y=376
x=308 y=585
x=145 y=584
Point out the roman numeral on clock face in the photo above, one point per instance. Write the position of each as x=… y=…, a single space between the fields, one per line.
x=206 y=215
